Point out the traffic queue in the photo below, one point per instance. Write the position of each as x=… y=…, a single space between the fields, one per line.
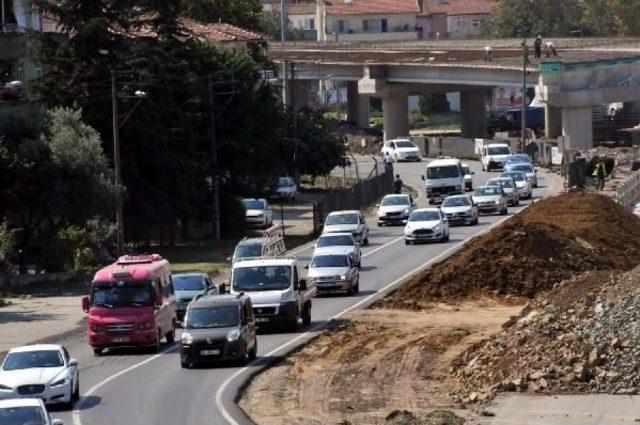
x=137 y=301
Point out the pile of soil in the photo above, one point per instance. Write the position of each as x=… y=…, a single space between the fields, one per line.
x=582 y=336
x=552 y=240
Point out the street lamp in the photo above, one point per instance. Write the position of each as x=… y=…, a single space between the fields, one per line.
x=116 y=153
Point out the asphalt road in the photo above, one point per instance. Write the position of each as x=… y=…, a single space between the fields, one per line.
x=135 y=388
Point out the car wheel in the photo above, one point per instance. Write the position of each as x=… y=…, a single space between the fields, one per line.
x=98 y=351
x=407 y=242
x=366 y=241
x=292 y=325
x=503 y=211
x=171 y=335
x=185 y=363
x=380 y=224
x=446 y=239
x=356 y=288
x=158 y=344
x=306 y=314
x=253 y=354
x=76 y=393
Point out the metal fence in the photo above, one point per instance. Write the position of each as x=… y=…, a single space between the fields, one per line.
x=357 y=197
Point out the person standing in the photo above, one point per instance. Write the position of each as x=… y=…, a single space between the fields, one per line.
x=550 y=49
x=537 y=47
x=488 y=54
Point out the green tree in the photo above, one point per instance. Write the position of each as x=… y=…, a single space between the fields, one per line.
x=429 y=104
x=529 y=18
x=270 y=24
x=243 y=13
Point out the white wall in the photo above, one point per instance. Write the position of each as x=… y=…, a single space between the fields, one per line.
x=463 y=26
x=382 y=36
x=395 y=23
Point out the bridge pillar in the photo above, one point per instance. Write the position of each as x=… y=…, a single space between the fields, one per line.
x=357 y=106
x=473 y=119
x=552 y=122
x=577 y=127
x=395 y=115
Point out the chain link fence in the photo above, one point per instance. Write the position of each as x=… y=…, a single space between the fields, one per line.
x=359 y=196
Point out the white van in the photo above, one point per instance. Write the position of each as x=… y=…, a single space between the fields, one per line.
x=279 y=295
x=494 y=155
x=444 y=177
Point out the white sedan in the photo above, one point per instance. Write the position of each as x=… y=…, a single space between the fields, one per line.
x=401 y=150
x=43 y=371
x=25 y=411
x=426 y=224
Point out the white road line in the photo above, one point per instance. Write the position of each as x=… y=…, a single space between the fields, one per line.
x=78 y=407
x=379 y=293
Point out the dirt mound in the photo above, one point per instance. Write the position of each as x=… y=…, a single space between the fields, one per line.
x=550 y=241
x=583 y=336
x=437 y=417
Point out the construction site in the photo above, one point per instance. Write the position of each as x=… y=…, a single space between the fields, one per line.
x=546 y=302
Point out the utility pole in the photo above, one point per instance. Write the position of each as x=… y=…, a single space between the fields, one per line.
x=117 y=165
x=294 y=122
x=523 y=125
x=214 y=163
x=283 y=38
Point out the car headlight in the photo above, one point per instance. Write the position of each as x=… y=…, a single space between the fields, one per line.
x=406 y=211
x=233 y=335
x=287 y=296
x=186 y=338
x=96 y=328
x=59 y=383
x=496 y=202
x=343 y=277
x=5 y=388
x=144 y=326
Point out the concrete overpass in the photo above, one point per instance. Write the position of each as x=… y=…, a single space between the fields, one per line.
x=586 y=73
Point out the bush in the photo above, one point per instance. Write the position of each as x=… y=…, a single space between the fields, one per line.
x=7 y=242
x=433 y=103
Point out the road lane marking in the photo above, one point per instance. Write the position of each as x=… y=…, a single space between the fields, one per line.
x=77 y=409
x=380 y=293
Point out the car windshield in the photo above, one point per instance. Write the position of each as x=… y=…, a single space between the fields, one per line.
x=395 y=200
x=284 y=182
x=29 y=359
x=461 y=201
x=512 y=159
x=501 y=182
x=22 y=415
x=516 y=176
x=188 y=283
x=213 y=317
x=253 y=204
x=499 y=150
x=443 y=172
x=424 y=216
x=342 y=219
x=244 y=251
x=405 y=144
x=525 y=168
x=338 y=240
x=330 y=261
x=122 y=294
x=466 y=170
x=262 y=278
x=487 y=191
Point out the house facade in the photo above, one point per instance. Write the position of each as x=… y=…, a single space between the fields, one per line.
x=454 y=18
x=367 y=20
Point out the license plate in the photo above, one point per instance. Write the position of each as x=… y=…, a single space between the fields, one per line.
x=209 y=352
x=261 y=319
x=120 y=339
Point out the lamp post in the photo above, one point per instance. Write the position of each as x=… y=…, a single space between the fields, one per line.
x=116 y=154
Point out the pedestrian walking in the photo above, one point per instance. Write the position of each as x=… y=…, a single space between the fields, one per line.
x=397 y=184
x=488 y=54
x=599 y=173
x=550 y=49
x=537 y=47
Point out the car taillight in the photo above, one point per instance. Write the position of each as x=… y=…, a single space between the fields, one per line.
x=96 y=328
x=144 y=326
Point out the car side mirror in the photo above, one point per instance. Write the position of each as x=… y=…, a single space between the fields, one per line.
x=306 y=267
x=229 y=259
x=57 y=422
x=302 y=285
x=86 y=304
x=73 y=362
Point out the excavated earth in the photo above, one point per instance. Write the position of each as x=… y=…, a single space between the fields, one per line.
x=548 y=242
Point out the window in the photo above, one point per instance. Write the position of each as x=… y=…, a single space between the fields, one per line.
x=372 y=25
x=305 y=24
x=340 y=26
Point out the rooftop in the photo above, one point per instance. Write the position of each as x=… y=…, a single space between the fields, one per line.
x=370 y=7
x=35 y=347
x=215 y=300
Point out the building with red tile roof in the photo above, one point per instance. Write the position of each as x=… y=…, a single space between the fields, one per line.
x=454 y=18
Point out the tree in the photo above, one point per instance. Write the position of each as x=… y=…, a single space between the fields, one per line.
x=529 y=18
x=243 y=13
x=429 y=104
x=271 y=25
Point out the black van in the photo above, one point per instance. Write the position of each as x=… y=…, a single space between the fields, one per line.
x=218 y=328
